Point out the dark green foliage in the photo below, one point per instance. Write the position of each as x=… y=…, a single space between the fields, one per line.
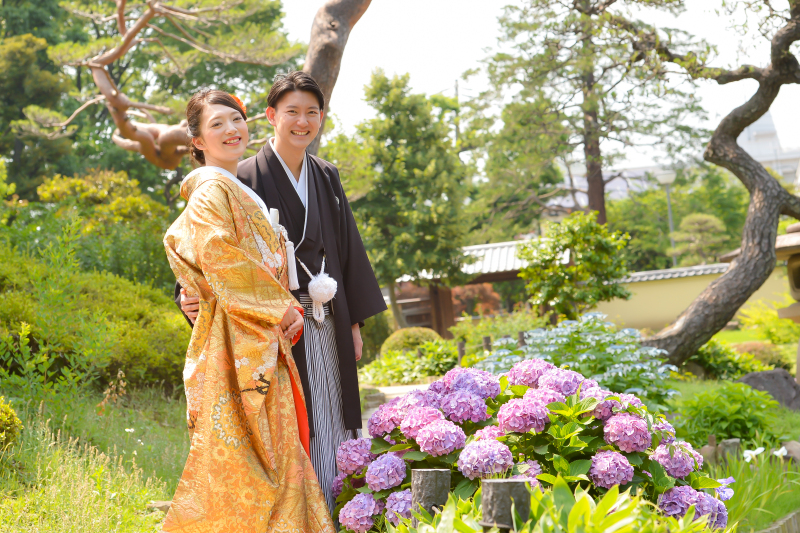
x=721 y=361
x=401 y=367
x=10 y=425
x=408 y=339
x=374 y=333
x=471 y=332
x=577 y=264
x=734 y=410
x=643 y=214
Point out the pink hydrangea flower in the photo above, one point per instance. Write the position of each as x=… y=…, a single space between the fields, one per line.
x=483 y=458
x=520 y=415
x=609 y=469
x=357 y=513
x=561 y=380
x=528 y=372
x=460 y=406
x=398 y=505
x=441 y=437
x=354 y=454
x=489 y=432
x=628 y=432
x=544 y=396
x=417 y=418
x=678 y=459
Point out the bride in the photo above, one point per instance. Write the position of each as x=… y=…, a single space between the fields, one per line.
x=248 y=468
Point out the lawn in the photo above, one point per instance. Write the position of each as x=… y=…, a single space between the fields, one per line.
x=737 y=336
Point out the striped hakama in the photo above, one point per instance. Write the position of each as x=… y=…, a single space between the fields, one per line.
x=322 y=361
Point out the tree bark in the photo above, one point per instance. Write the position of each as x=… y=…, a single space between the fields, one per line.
x=596 y=189
x=329 y=34
x=397 y=313
x=720 y=301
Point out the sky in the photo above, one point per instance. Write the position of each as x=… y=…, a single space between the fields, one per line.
x=436 y=41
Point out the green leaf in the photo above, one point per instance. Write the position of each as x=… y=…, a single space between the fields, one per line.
x=579 y=467
x=415 y=456
x=547 y=478
x=503 y=384
x=448 y=517
x=633 y=458
x=519 y=390
x=466 y=488
x=461 y=527
x=364 y=490
x=400 y=447
x=699 y=482
x=561 y=464
x=380 y=446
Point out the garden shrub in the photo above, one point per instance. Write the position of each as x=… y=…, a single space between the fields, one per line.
x=595 y=348
x=10 y=425
x=767 y=353
x=721 y=361
x=762 y=317
x=549 y=426
x=408 y=339
x=403 y=367
x=374 y=333
x=472 y=332
x=734 y=410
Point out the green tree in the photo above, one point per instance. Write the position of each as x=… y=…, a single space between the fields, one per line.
x=573 y=72
x=411 y=217
x=575 y=265
x=700 y=238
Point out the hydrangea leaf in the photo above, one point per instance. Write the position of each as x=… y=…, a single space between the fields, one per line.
x=579 y=467
x=415 y=456
x=380 y=446
x=466 y=488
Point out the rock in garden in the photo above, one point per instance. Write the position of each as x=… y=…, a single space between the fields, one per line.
x=159 y=506
x=778 y=383
x=727 y=447
x=793 y=451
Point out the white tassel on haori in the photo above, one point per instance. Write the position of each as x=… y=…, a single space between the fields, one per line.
x=274 y=217
x=321 y=289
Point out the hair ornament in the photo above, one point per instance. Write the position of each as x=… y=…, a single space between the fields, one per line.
x=239 y=101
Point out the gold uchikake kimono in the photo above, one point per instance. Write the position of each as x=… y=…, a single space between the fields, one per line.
x=247 y=470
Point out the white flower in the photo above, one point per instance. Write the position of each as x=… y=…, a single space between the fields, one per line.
x=128 y=430
x=749 y=454
x=781 y=453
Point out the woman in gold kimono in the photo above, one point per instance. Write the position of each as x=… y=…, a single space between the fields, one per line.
x=248 y=468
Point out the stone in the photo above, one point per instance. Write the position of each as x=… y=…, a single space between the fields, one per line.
x=496 y=500
x=778 y=383
x=709 y=451
x=430 y=488
x=695 y=369
x=159 y=506
x=793 y=451
x=732 y=447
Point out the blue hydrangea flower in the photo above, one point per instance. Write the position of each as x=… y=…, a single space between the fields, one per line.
x=628 y=432
x=461 y=405
x=357 y=513
x=609 y=469
x=354 y=454
x=385 y=472
x=482 y=458
x=398 y=505
x=441 y=437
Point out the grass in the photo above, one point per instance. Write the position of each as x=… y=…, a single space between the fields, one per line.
x=737 y=336
x=49 y=483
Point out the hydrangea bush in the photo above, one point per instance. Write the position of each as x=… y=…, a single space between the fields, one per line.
x=616 y=360
x=566 y=428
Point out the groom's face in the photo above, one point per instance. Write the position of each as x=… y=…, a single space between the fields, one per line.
x=296 y=118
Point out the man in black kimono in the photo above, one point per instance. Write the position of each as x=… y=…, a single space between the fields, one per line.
x=308 y=195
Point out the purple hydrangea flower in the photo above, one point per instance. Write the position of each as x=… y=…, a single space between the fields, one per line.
x=477 y=382
x=678 y=459
x=521 y=415
x=544 y=396
x=357 y=513
x=724 y=492
x=628 y=400
x=441 y=437
x=385 y=472
x=628 y=432
x=609 y=469
x=528 y=372
x=338 y=485
x=438 y=387
x=561 y=380
x=534 y=468
x=483 y=458
x=398 y=505
x=417 y=398
x=605 y=409
x=676 y=501
x=461 y=405
x=489 y=432
x=417 y=418
x=354 y=454
x=714 y=508
x=385 y=419
x=668 y=436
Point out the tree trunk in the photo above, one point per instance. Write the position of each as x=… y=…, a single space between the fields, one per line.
x=596 y=189
x=397 y=313
x=329 y=35
x=720 y=301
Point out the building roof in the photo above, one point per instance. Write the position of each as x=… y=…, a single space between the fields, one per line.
x=672 y=273
x=494 y=258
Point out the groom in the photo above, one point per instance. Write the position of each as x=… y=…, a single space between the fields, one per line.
x=308 y=195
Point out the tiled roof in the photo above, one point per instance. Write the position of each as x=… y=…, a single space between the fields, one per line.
x=672 y=273
x=496 y=257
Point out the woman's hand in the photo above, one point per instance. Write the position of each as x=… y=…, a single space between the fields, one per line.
x=190 y=305
x=292 y=323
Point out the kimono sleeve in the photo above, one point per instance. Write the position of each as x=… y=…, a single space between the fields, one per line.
x=245 y=289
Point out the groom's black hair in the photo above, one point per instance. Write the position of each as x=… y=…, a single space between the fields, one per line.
x=294 y=81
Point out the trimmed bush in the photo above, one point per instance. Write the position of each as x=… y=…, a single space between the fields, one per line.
x=721 y=361
x=408 y=339
x=398 y=367
x=374 y=333
x=10 y=425
x=734 y=410
x=767 y=353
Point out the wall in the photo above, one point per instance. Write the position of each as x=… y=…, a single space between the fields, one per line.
x=656 y=304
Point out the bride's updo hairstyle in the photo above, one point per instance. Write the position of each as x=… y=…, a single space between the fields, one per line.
x=194 y=115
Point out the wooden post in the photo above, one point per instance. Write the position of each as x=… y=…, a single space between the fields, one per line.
x=497 y=496
x=487 y=343
x=442 y=315
x=429 y=489
x=520 y=339
x=462 y=349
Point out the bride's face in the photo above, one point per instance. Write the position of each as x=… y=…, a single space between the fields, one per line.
x=296 y=118
x=223 y=134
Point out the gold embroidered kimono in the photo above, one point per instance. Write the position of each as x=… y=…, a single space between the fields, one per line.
x=246 y=470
